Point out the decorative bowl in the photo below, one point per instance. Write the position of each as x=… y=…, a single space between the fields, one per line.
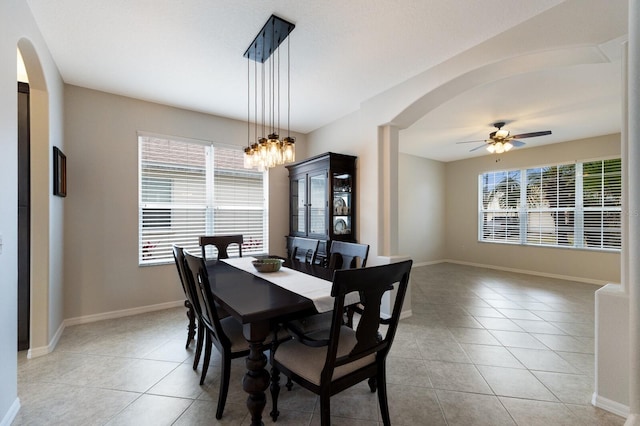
x=267 y=265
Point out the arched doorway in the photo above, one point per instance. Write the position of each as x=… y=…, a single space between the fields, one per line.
x=39 y=198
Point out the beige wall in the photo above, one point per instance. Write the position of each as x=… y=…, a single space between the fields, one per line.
x=101 y=233
x=449 y=232
x=358 y=134
x=421 y=208
x=19 y=29
x=462 y=214
x=349 y=135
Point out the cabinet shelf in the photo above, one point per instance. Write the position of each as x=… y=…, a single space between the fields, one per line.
x=326 y=180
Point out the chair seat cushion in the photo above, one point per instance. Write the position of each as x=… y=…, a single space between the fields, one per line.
x=233 y=330
x=313 y=323
x=307 y=362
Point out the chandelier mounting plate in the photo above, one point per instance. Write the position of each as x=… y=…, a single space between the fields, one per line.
x=274 y=32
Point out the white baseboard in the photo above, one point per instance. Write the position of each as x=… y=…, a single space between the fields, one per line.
x=609 y=405
x=406 y=314
x=122 y=313
x=524 y=271
x=40 y=351
x=44 y=350
x=519 y=271
x=432 y=262
x=632 y=420
x=11 y=414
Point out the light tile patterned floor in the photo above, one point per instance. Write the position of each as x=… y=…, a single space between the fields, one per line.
x=483 y=347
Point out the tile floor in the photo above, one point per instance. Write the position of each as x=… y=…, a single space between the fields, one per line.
x=483 y=347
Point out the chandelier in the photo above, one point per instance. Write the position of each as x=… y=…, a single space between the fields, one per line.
x=269 y=151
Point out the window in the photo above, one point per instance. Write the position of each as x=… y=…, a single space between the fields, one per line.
x=158 y=191
x=193 y=188
x=576 y=205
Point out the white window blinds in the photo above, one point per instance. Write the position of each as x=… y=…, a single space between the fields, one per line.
x=551 y=205
x=576 y=205
x=602 y=197
x=500 y=213
x=188 y=189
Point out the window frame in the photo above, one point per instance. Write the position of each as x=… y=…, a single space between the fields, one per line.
x=575 y=213
x=200 y=171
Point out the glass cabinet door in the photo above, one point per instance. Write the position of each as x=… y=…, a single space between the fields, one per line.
x=318 y=203
x=298 y=205
x=342 y=203
x=323 y=197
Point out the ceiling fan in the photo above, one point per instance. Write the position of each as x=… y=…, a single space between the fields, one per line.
x=500 y=140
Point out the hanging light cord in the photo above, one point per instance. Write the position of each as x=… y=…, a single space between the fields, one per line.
x=288 y=86
x=248 y=102
x=263 y=100
x=255 y=98
x=278 y=90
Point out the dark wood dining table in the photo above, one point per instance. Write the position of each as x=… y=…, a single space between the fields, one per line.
x=259 y=305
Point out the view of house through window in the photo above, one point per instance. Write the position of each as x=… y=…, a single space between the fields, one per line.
x=192 y=188
x=575 y=205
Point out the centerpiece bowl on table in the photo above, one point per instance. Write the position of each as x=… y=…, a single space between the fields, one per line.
x=267 y=264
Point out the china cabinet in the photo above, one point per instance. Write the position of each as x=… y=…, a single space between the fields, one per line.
x=322 y=199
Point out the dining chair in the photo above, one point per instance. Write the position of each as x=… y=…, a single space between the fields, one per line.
x=221 y=243
x=342 y=255
x=178 y=256
x=225 y=334
x=304 y=249
x=347 y=357
x=346 y=255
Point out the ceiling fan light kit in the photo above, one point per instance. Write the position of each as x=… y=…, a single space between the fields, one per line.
x=499 y=147
x=499 y=134
x=500 y=140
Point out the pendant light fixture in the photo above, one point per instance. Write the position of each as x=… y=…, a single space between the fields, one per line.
x=270 y=151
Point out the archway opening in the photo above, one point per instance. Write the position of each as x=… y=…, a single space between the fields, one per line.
x=24 y=206
x=39 y=159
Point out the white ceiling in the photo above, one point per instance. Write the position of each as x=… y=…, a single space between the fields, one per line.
x=189 y=54
x=573 y=102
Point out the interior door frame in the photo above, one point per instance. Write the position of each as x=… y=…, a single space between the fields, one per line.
x=24 y=217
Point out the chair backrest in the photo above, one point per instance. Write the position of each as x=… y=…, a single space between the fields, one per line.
x=222 y=243
x=371 y=283
x=304 y=249
x=178 y=256
x=198 y=281
x=344 y=255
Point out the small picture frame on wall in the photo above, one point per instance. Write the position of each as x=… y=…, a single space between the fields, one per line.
x=59 y=173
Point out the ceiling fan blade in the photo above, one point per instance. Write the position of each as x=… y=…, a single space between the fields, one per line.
x=476 y=141
x=478 y=147
x=532 y=134
x=516 y=143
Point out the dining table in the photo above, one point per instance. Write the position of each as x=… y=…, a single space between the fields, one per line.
x=256 y=301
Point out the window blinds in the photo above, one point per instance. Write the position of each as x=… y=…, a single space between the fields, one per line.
x=576 y=205
x=188 y=189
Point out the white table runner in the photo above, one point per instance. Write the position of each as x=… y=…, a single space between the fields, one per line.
x=314 y=288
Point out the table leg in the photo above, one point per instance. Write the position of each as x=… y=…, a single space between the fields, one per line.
x=256 y=380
